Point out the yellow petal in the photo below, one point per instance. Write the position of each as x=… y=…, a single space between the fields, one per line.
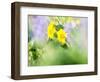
x=51 y=30
x=61 y=35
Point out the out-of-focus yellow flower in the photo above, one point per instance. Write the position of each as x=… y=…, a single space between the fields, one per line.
x=51 y=30
x=69 y=19
x=61 y=35
x=77 y=21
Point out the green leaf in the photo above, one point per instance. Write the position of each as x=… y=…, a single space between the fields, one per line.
x=59 y=26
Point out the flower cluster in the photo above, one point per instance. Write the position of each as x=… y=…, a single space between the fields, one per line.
x=61 y=27
x=54 y=32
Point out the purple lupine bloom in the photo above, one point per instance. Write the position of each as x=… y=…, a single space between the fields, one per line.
x=68 y=28
x=39 y=28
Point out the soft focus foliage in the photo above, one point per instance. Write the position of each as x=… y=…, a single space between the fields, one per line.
x=57 y=40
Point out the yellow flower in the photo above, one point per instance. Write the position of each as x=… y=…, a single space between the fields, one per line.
x=61 y=35
x=77 y=21
x=69 y=19
x=51 y=30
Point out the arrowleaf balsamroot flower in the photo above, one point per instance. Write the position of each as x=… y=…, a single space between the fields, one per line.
x=51 y=30
x=61 y=35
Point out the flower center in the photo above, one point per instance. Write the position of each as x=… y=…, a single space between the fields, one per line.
x=62 y=36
